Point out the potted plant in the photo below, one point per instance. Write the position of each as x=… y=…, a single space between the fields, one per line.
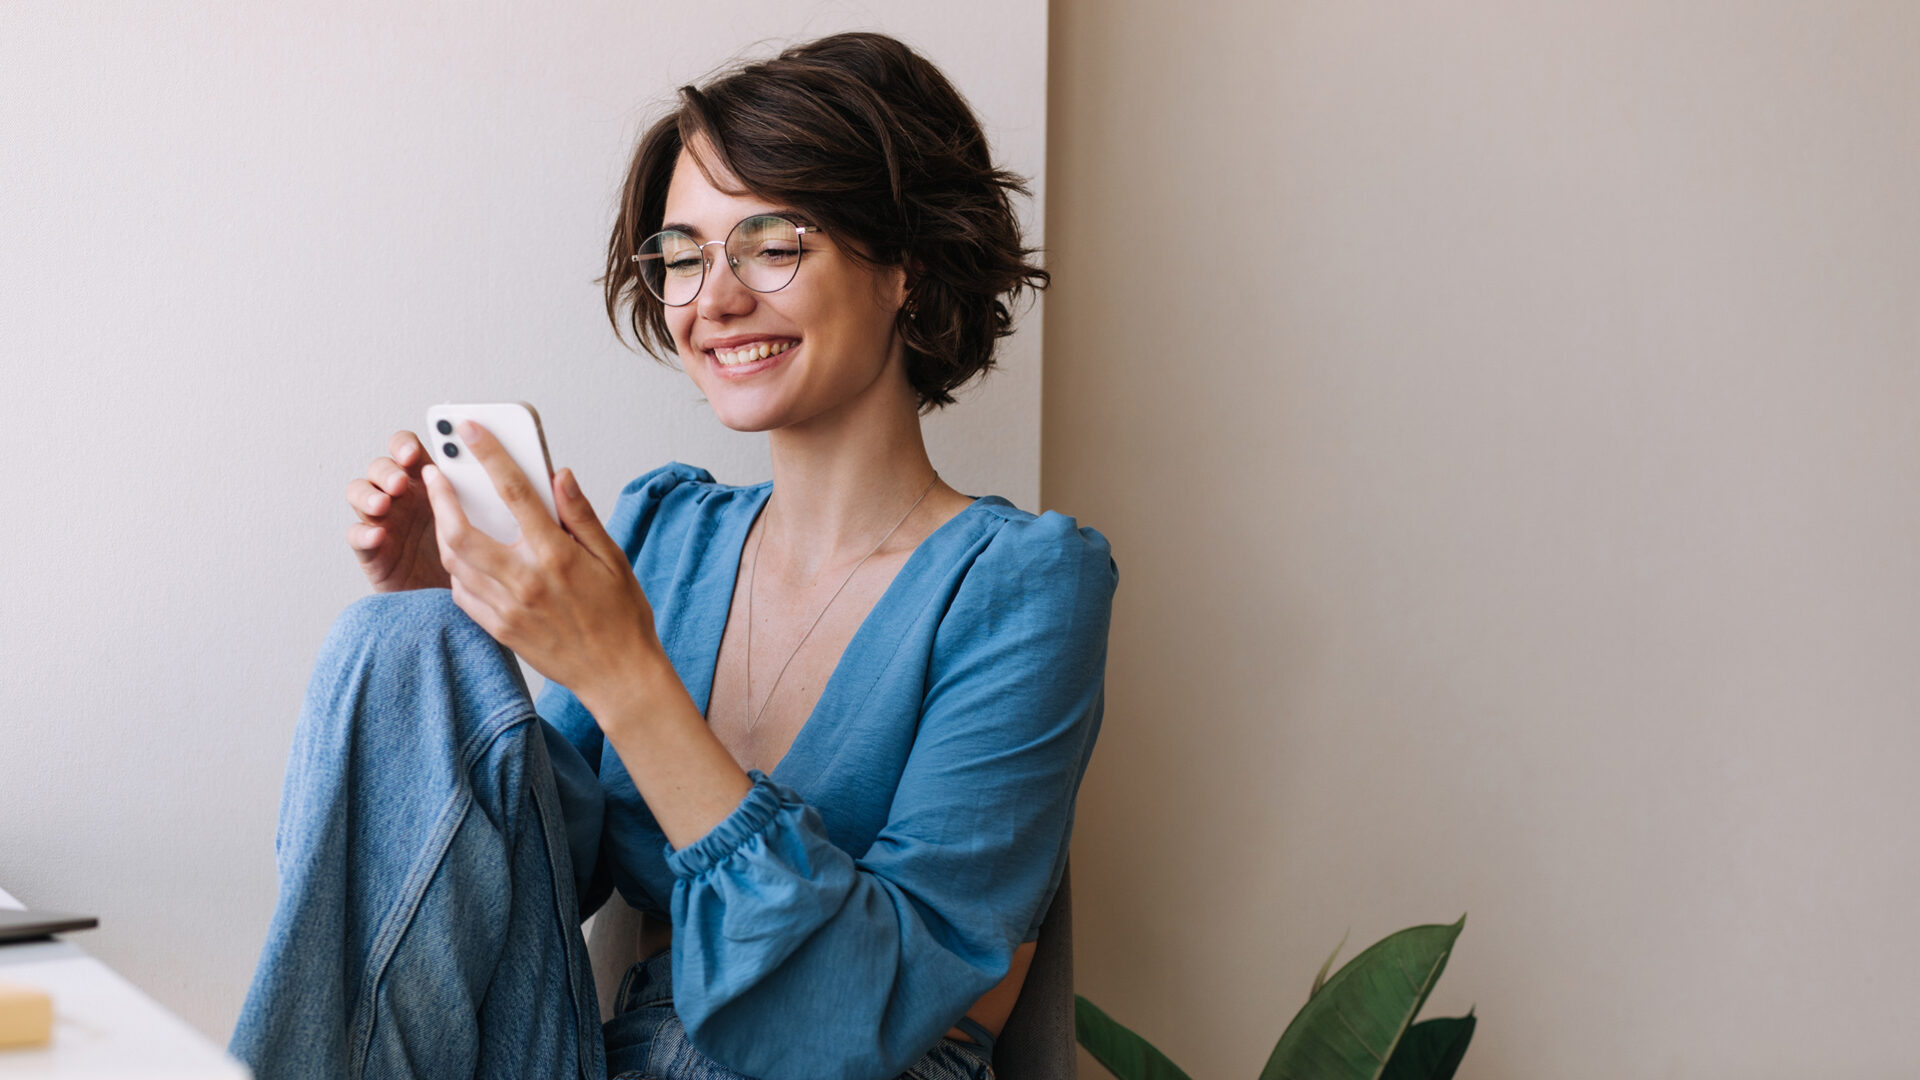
x=1357 y=1025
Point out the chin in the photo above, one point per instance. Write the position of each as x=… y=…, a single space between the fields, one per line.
x=747 y=416
x=748 y=424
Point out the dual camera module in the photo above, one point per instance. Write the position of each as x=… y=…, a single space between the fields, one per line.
x=445 y=427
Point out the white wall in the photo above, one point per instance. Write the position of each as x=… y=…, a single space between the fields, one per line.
x=1512 y=470
x=240 y=244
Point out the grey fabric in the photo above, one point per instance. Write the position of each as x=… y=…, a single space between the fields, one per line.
x=1036 y=1044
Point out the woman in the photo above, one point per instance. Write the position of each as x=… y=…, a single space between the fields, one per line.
x=825 y=733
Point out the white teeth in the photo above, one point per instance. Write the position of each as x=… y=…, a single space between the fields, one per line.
x=759 y=350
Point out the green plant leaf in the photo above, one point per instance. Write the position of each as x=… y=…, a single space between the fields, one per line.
x=1349 y=1030
x=1126 y=1055
x=1431 y=1049
x=1320 y=980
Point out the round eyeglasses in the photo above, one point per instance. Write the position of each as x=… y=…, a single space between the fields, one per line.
x=763 y=252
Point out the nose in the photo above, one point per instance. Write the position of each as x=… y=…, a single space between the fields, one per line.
x=721 y=292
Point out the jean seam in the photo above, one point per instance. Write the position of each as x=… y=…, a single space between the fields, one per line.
x=562 y=886
x=653 y=1038
x=419 y=877
x=626 y=985
x=650 y=1036
x=661 y=994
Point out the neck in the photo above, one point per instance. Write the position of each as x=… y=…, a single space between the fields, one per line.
x=841 y=480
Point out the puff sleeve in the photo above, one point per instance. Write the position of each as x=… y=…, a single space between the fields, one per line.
x=794 y=960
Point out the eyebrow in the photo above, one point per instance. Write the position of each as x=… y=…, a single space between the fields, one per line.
x=788 y=212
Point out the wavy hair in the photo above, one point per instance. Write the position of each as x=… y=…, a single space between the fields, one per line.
x=870 y=141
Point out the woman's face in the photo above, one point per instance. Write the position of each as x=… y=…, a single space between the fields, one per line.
x=835 y=320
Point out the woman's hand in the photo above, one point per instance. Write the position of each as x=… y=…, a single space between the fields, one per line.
x=394 y=536
x=563 y=598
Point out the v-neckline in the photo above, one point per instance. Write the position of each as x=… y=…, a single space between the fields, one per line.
x=738 y=547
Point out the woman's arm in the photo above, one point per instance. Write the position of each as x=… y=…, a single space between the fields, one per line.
x=565 y=598
x=687 y=776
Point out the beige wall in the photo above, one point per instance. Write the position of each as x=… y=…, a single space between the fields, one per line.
x=1504 y=415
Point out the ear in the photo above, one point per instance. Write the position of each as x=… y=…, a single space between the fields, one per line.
x=897 y=284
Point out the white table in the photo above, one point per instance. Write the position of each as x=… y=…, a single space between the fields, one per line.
x=103 y=1026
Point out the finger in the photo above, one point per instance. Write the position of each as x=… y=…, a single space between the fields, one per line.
x=576 y=513
x=499 y=601
x=491 y=603
x=476 y=608
x=512 y=484
x=459 y=540
x=368 y=501
x=365 y=539
x=389 y=477
x=405 y=447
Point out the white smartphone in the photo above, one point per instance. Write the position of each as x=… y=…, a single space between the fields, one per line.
x=516 y=426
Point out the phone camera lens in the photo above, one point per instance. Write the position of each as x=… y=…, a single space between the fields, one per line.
x=444 y=427
x=449 y=449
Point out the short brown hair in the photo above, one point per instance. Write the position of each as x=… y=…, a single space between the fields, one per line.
x=871 y=142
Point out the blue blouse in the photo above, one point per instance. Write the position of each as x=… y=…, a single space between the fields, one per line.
x=864 y=895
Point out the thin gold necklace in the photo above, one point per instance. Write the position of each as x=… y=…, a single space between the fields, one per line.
x=753 y=577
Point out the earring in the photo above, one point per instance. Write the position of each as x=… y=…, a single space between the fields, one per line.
x=912 y=308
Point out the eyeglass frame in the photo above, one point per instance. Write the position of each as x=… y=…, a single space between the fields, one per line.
x=800 y=254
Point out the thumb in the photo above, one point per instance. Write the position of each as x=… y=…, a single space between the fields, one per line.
x=576 y=513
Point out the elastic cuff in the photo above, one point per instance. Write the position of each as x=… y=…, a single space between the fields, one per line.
x=757 y=808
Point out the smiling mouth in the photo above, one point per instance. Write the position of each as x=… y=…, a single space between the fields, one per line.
x=747 y=354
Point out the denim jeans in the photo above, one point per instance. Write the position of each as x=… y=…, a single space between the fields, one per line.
x=435 y=837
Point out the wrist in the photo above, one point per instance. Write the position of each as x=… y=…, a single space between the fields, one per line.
x=632 y=693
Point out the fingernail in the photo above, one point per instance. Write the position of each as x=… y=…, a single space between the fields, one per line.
x=573 y=489
x=468 y=430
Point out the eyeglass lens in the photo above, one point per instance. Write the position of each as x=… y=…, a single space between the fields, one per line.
x=764 y=252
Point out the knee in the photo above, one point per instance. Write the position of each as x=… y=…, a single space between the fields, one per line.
x=415 y=641
x=381 y=608
x=408 y=619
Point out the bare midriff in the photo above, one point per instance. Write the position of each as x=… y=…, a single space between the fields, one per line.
x=990 y=1012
